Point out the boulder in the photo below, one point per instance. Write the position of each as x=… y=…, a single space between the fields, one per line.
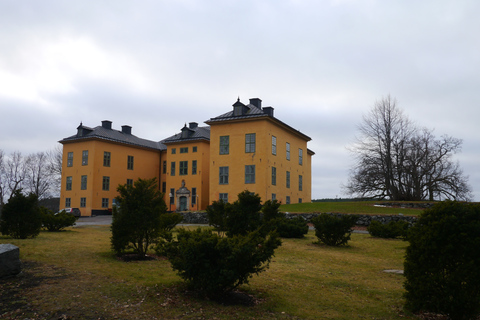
x=9 y=260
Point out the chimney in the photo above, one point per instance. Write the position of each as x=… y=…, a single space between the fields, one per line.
x=127 y=129
x=256 y=102
x=269 y=111
x=107 y=124
x=192 y=125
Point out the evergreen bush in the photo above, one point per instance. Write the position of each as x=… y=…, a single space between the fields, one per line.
x=21 y=218
x=289 y=228
x=442 y=261
x=56 y=222
x=334 y=231
x=391 y=230
x=217 y=215
x=244 y=216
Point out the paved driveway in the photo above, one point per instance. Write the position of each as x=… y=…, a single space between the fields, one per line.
x=97 y=220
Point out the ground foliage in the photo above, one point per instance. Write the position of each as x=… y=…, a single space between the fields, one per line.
x=56 y=222
x=441 y=264
x=21 y=218
x=332 y=230
x=391 y=230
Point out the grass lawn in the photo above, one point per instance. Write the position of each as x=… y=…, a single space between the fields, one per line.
x=74 y=275
x=354 y=207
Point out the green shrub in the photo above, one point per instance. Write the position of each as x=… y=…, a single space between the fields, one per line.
x=212 y=264
x=289 y=228
x=217 y=215
x=391 y=230
x=21 y=217
x=136 y=220
x=244 y=216
x=56 y=222
x=168 y=221
x=334 y=231
x=271 y=210
x=442 y=261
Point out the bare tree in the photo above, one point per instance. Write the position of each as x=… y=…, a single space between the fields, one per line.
x=38 y=178
x=3 y=179
x=55 y=158
x=396 y=160
x=15 y=172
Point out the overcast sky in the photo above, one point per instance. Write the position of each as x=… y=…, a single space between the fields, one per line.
x=155 y=65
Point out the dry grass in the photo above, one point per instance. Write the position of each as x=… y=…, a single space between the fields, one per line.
x=73 y=275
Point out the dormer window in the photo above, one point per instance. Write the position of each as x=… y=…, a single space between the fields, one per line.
x=239 y=109
x=186 y=132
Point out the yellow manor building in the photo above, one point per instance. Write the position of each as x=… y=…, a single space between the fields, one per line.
x=246 y=148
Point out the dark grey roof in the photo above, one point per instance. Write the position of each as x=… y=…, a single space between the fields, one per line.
x=198 y=133
x=251 y=113
x=102 y=133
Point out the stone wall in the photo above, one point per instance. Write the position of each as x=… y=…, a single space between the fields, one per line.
x=363 y=220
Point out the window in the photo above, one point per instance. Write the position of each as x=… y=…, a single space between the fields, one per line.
x=164 y=187
x=274 y=176
x=223 y=197
x=194 y=166
x=299 y=200
x=83 y=184
x=223 y=175
x=164 y=167
x=84 y=157
x=224 y=144
x=194 y=149
x=183 y=168
x=129 y=182
x=288 y=151
x=184 y=150
x=174 y=150
x=68 y=185
x=288 y=179
x=68 y=202
x=288 y=200
x=130 y=163
x=250 y=143
x=194 y=196
x=106 y=159
x=300 y=156
x=83 y=202
x=274 y=145
x=106 y=183
x=172 y=169
x=300 y=183
x=172 y=196
x=70 y=159
x=250 y=174
x=274 y=196
x=104 y=202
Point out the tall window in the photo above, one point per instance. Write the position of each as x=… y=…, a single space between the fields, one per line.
x=130 y=162
x=274 y=196
x=223 y=173
x=164 y=167
x=288 y=200
x=250 y=174
x=288 y=151
x=300 y=156
x=194 y=196
x=84 y=157
x=288 y=179
x=164 y=187
x=68 y=202
x=106 y=183
x=194 y=166
x=224 y=144
x=70 y=159
x=223 y=197
x=83 y=184
x=172 y=195
x=172 y=169
x=104 y=202
x=68 y=185
x=174 y=150
x=274 y=145
x=83 y=202
x=183 y=168
x=106 y=159
x=194 y=149
x=300 y=183
x=274 y=176
x=299 y=200
x=250 y=142
x=129 y=182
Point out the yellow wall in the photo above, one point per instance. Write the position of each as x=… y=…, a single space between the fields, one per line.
x=262 y=159
x=146 y=166
x=198 y=181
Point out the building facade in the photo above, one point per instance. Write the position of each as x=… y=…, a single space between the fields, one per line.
x=246 y=148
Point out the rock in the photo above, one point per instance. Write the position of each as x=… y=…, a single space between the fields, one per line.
x=9 y=260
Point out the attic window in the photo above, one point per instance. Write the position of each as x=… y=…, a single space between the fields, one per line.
x=237 y=110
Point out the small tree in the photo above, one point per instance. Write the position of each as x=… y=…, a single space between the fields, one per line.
x=334 y=231
x=245 y=214
x=21 y=217
x=217 y=214
x=271 y=210
x=136 y=222
x=441 y=263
